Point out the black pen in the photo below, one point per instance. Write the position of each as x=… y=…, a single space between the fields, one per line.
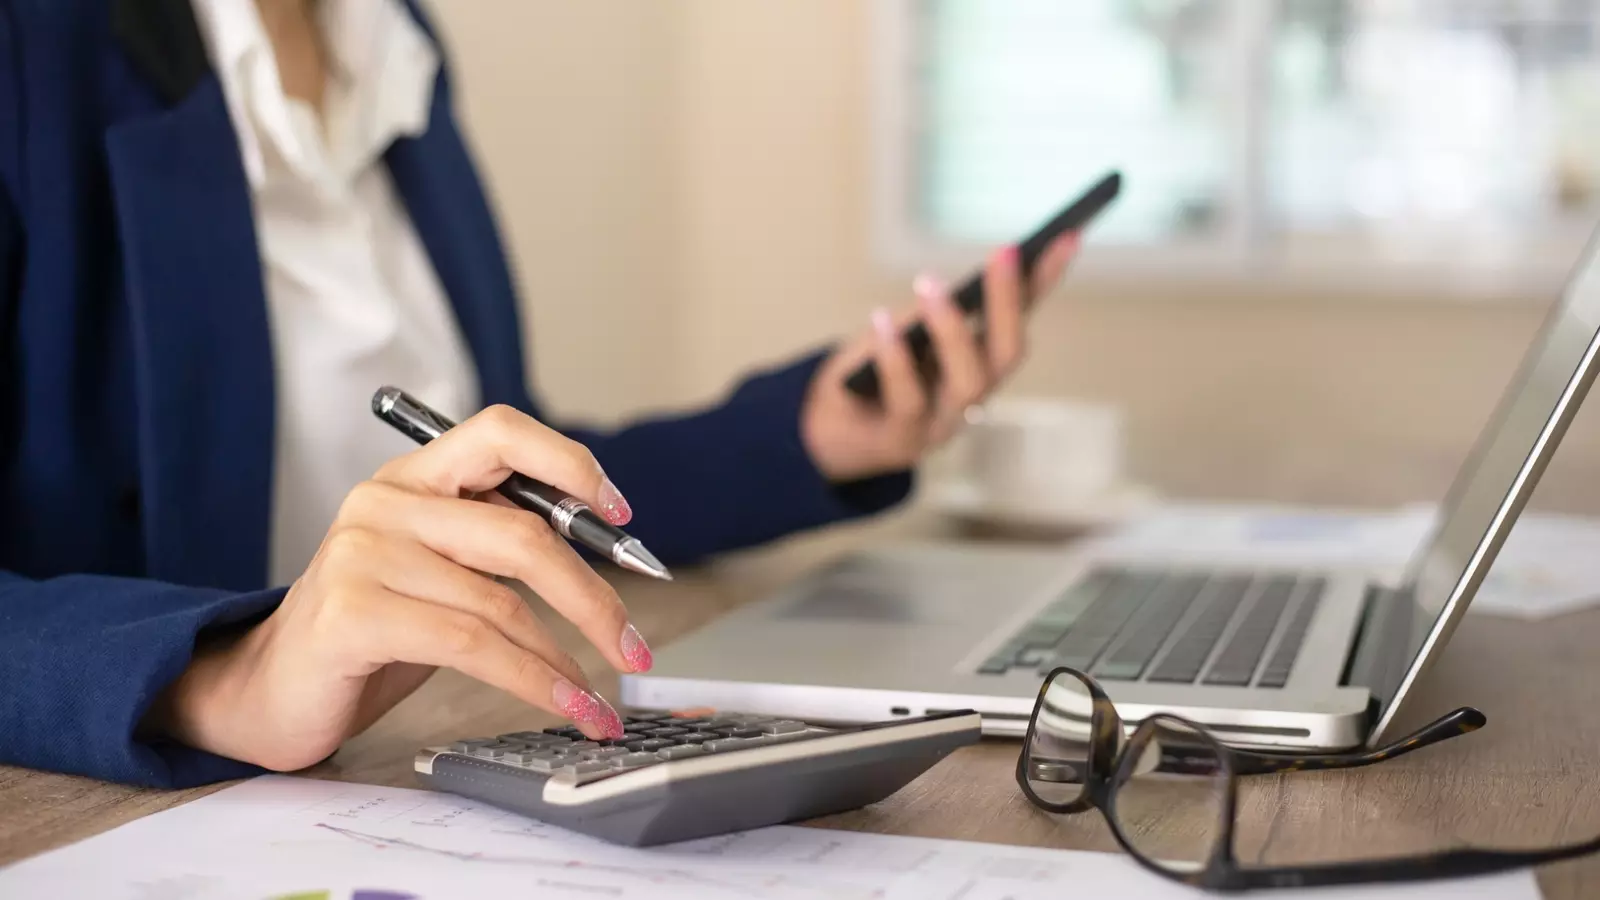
x=569 y=516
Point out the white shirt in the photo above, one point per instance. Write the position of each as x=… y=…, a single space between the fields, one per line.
x=352 y=297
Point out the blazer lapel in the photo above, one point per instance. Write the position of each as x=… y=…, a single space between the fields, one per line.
x=199 y=314
x=433 y=173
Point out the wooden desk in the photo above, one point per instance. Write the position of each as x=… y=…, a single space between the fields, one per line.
x=1528 y=779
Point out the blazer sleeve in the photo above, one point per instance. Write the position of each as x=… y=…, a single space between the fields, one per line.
x=733 y=475
x=82 y=657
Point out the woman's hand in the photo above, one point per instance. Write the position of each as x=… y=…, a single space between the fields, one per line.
x=849 y=438
x=400 y=586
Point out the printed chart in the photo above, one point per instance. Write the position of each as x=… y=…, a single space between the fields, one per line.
x=281 y=838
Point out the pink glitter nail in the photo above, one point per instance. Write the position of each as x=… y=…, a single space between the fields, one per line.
x=583 y=707
x=613 y=507
x=635 y=650
x=610 y=723
x=575 y=703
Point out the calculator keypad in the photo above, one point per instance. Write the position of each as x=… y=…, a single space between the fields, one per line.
x=647 y=741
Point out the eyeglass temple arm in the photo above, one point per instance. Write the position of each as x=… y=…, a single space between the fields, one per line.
x=1449 y=864
x=1463 y=721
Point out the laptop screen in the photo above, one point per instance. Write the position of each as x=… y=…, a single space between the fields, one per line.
x=1501 y=470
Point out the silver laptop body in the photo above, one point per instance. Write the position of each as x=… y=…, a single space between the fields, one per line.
x=1287 y=657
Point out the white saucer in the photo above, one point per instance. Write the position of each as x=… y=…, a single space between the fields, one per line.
x=1112 y=506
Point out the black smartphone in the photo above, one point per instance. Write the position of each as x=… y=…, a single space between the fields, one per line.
x=969 y=298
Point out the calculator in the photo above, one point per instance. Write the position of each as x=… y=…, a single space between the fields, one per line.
x=676 y=776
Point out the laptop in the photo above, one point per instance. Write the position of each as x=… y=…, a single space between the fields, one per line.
x=1285 y=656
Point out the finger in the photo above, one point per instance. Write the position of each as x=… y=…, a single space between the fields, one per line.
x=1002 y=291
x=1053 y=264
x=904 y=398
x=513 y=543
x=481 y=452
x=396 y=628
x=407 y=567
x=963 y=376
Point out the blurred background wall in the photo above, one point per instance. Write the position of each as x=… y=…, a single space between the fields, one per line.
x=687 y=188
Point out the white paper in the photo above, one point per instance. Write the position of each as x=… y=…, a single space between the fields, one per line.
x=1550 y=563
x=281 y=837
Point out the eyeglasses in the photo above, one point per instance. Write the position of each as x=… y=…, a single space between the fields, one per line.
x=1077 y=755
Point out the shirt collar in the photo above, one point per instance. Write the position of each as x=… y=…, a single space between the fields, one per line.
x=383 y=68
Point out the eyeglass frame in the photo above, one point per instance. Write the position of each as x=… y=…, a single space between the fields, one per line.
x=1108 y=739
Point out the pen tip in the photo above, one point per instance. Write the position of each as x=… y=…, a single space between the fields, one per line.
x=633 y=556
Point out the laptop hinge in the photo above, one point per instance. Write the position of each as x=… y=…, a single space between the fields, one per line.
x=1380 y=643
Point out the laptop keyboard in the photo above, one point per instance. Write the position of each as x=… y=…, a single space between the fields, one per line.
x=1129 y=624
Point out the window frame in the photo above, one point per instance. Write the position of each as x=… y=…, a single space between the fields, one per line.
x=1240 y=261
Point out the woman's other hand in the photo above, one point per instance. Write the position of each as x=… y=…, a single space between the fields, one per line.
x=849 y=438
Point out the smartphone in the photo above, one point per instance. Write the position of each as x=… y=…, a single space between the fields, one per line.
x=969 y=298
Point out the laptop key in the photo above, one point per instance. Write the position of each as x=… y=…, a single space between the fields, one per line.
x=1237 y=662
x=1101 y=622
x=1276 y=672
x=1184 y=661
x=1163 y=610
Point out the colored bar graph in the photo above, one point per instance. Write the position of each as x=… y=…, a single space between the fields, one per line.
x=382 y=895
x=360 y=894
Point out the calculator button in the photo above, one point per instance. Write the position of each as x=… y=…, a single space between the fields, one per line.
x=528 y=736
x=602 y=753
x=633 y=760
x=648 y=745
x=469 y=746
x=519 y=759
x=566 y=731
x=681 y=751
x=686 y=723
x=668 y=732
x=635 y=720
x=626 y=738
x=492 y=751
x=732 y=743
x=540 y=762
x=783 y=727
x=580 y=745
x=598 y=765
x=697 y=737
x=741 y=732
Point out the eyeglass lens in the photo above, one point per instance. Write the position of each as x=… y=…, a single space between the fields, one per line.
x=1167 y=798
x=1057 y=761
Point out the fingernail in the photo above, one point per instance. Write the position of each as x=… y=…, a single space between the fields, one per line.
x=930 y=292
x=635 y=650
x=584 y=708
x=610 y=723
x=1008 y=256
x=612 y=505
x=883 y=324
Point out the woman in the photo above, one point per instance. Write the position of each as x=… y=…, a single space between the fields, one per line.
x=224 y=223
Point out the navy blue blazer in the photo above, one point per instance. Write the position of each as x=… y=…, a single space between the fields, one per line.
x=137 y=389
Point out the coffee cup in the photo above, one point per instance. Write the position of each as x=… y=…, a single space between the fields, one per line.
x=1040 y=453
